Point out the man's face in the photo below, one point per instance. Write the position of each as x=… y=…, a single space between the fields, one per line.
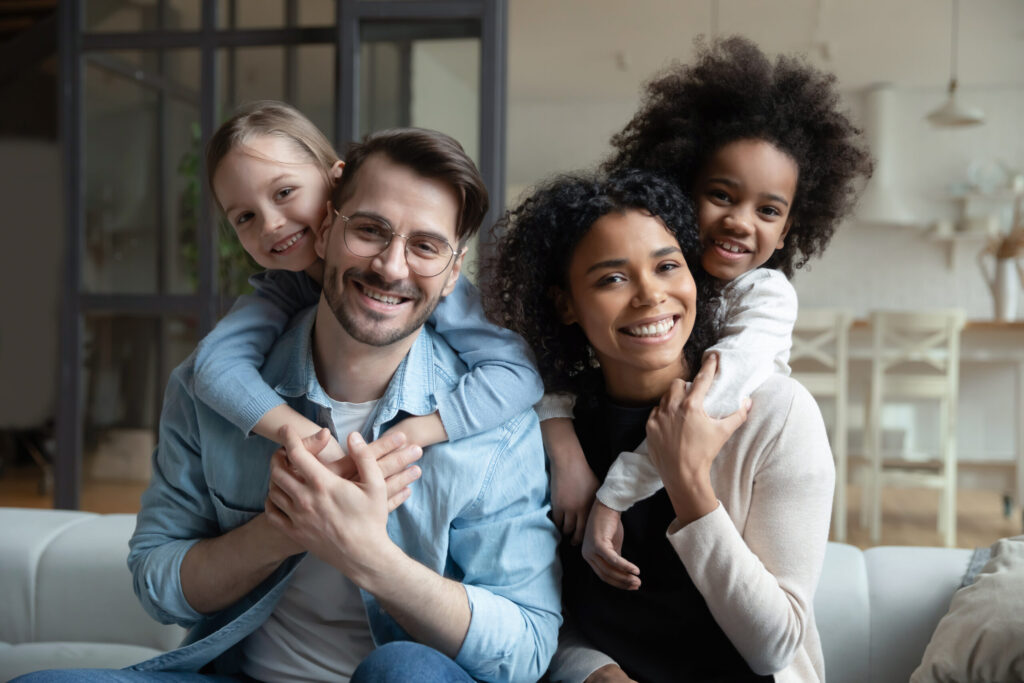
x=379 y=300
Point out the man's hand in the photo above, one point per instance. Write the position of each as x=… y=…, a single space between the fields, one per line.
x=602 y=544
x=341 y=521
x=394 y=464
x=609 y=673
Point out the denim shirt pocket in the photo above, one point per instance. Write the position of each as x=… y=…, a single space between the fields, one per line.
x=230 y=516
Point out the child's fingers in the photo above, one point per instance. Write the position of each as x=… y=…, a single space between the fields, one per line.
x=612 y=576
x=606 y=553
x=581 y=524
x=558 y=516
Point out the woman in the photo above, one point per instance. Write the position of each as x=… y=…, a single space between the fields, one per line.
x=602 y=278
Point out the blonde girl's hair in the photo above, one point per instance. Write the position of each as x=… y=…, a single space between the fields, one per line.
x=269 y=117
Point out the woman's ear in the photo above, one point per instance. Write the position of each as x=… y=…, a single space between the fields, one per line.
x=563 y=304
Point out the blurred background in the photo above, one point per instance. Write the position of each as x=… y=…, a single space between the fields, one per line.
x=116 y=265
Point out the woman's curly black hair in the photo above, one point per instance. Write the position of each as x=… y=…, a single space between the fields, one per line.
x=535 y=247
x=734 y=92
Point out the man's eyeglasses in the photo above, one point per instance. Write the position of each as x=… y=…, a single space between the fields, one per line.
x=427 y=255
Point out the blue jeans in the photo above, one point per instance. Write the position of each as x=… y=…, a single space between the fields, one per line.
x=397 y=662
x=402 y=661
x=123 y=676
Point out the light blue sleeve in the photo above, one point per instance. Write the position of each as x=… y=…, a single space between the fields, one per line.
x=228 y=359
x=176 y=509
x=506 y=547
x=502 y=380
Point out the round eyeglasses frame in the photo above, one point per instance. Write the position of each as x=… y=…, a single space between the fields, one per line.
x=382 y=222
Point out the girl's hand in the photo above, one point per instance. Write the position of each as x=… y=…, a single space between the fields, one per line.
x=601 y=547
x=573 y=483
x=683 y=441
x=609 y=673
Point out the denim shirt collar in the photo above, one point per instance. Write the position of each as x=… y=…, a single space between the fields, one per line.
x=291 y=371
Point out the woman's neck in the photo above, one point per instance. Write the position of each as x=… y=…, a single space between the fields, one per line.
x=641 y=388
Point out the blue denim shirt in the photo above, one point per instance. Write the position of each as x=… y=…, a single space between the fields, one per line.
x=502 y=380
x=477 y=515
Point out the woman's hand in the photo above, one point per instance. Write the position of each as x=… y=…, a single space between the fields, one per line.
x=683 y=442
x=609 y=673
x=602 y=545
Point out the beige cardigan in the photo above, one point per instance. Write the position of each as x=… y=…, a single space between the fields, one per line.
x=756 y=558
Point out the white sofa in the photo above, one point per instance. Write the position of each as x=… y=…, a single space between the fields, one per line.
x=66 y=600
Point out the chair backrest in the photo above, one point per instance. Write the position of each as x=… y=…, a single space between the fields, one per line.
x=821 y=349
x=917 y=354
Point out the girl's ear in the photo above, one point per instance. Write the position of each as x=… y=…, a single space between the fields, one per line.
x=320 y=245
x=785 y=231
x=564 y=305
x=336 y=171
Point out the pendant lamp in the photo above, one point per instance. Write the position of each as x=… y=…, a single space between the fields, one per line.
x=953 y=113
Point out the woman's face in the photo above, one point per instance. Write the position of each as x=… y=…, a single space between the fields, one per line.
x=635 y=299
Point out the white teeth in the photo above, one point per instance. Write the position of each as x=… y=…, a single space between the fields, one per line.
x=382 y=297
x=294 y=238
x=654 y=330
x=734 y=248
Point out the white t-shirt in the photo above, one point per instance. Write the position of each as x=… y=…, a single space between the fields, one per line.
x=318 y=630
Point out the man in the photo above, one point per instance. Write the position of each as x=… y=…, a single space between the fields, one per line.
x=465 y=567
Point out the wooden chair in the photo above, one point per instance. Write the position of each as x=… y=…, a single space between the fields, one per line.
x=914 y=356
x=820 y=361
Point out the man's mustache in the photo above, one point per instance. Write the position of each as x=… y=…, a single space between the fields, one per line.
x=402 y=288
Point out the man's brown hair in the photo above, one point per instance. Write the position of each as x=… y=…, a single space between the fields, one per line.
x=432 y=155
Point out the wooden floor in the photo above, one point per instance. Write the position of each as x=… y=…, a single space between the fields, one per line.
x=908 y=516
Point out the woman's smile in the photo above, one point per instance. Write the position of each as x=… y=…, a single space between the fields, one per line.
x=655 y=330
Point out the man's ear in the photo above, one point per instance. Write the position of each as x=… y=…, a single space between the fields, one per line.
x=563 y=304
x=320 y=245
x=453 y=276
x=785 y=231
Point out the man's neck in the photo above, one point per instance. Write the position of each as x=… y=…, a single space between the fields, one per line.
x=349 y=370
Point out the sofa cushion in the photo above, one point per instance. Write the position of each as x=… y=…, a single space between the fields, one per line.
x=841 y=612
x=981 y=638
x=910 y=589
x=26 y=536
x=22 y=658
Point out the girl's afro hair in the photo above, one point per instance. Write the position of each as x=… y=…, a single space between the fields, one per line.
x=734 y=92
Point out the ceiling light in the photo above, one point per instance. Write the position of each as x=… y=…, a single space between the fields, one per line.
x=952 y=113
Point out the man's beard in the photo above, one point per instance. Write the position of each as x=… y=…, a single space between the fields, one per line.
x=356 y=325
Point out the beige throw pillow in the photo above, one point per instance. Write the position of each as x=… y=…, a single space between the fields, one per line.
x=981 y=638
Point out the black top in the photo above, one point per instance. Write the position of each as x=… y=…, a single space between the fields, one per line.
x=663 y=631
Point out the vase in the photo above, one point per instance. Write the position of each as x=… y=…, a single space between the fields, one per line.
x=1005 y=283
